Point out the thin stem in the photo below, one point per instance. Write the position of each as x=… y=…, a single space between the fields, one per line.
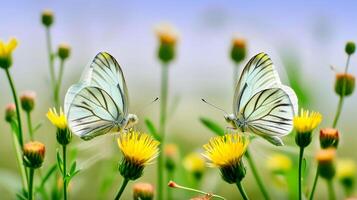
x=162 y=129
x=29 y=124
x=20 y=161
x=314 y=185
x=242 y=191
x=58 y=84
x=347 y=63
x=121 y=190
x=11 y=82
x=50 y=57
x=64 y=152
x=235 y=75
x=30 y=188
x=301 y=156
x=170 y=176
x=198 y=191
x=256 y=175
x=331 y=190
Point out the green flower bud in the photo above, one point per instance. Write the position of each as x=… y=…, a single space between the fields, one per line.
x=233 y=173
x=10 y=112
x=47 y=18
x=326 y=166
x=345 y=84
x=64 y=51
x=143 y=191
x=34 y=154
x=238 y=50
x=27 y=100
x=350 y=47
x=63 y=136
x=130 y=170
x=168 y=38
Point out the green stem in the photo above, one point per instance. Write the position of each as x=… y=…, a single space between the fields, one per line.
x=30 y=189
x=314 y=185
x=162 y=129
x=29 y=124
x=242 y=191
x=11 y=82
x=170 y=176
x=64 y=175
x=58 y=84
x=121 y=190
x=331 y=190
x=256 y=175
x=20 y=161
x=198 y=191
x=301 y=156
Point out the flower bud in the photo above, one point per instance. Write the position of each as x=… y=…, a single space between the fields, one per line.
x=47 y=18
x=168 y=39
x=238 y=50
x=27 y=100
x=279 y=164
x=64 y=51
x=33 y=154
x=63 y=136
x=143 y=191
x=10 y=112
x=350 y=47
x=6 y=50
x=325 y=159
x=346 y=174
x=233 y=173
x=195 y=164
x=345 y=84
x=329 y=137
x=171 y=155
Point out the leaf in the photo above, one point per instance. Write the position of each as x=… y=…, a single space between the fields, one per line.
x=73 y=167
x=152 y=129
x=59 y=162
x=48 y=175
x=213 y=126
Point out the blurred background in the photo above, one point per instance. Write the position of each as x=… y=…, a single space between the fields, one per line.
x=302 y=38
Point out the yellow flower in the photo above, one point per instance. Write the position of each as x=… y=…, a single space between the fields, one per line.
x=346 y=169
x=194 y=163
x=6 y=52
x=279 y=163
x=307 y=121
x=59 y=120
x=166 y=34
x=139 y=148
x=226 y=150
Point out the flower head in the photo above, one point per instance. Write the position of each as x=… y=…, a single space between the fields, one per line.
x=344 y=84
x=10 y=112
x=6 y=50
x=325 y=159
x=172 y=156
x=350 y=47
x=34 y=154
x=329 y=137
x=143 y=191
x=226 y=152
x=167 y=46
x=27 y=100
x=238 y=49
x=58 y=120
x=139 y=149
x=304 y=125
x=279 y=164
x=47 y=18
x=346 y=173
x=195 y=164
x=64 y=51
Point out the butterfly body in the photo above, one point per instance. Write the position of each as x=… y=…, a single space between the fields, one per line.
x=262 y=105
x=98 y=104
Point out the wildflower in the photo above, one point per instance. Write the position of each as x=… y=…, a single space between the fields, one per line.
x=329 y=137
x=10 y=112
x=47 y=18
x=33 y=154
x=168 y=38
x=63 y=134
x=325 y=159
x=6 y=53
x=226 y=152
x=27 y=100
x=139 y=149
x=195 y=164
x=350 y=47
x=143 y=191
x=304 y=125
x=238 y=50
x=346 y=174
x=63 y=51
x=279 y=164
x=344 y=84
x=171 y=154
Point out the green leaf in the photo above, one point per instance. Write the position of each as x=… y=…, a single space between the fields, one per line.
x=73 y=168
x=59 y=162
x=152 y=129
x=213 y=126
x=48 y=175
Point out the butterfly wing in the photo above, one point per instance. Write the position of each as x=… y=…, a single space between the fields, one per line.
x=94 y=112
x=257 y=75
x=270 y=112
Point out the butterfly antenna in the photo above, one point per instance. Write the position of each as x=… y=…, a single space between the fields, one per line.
x=147 y=105
x=333 y=68
x=214 y=106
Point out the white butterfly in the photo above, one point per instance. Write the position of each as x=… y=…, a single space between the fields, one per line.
x=98 y=104
x=262 y=105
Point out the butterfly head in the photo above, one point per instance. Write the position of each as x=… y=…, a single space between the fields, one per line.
x=131 y=120
x=230 y=119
